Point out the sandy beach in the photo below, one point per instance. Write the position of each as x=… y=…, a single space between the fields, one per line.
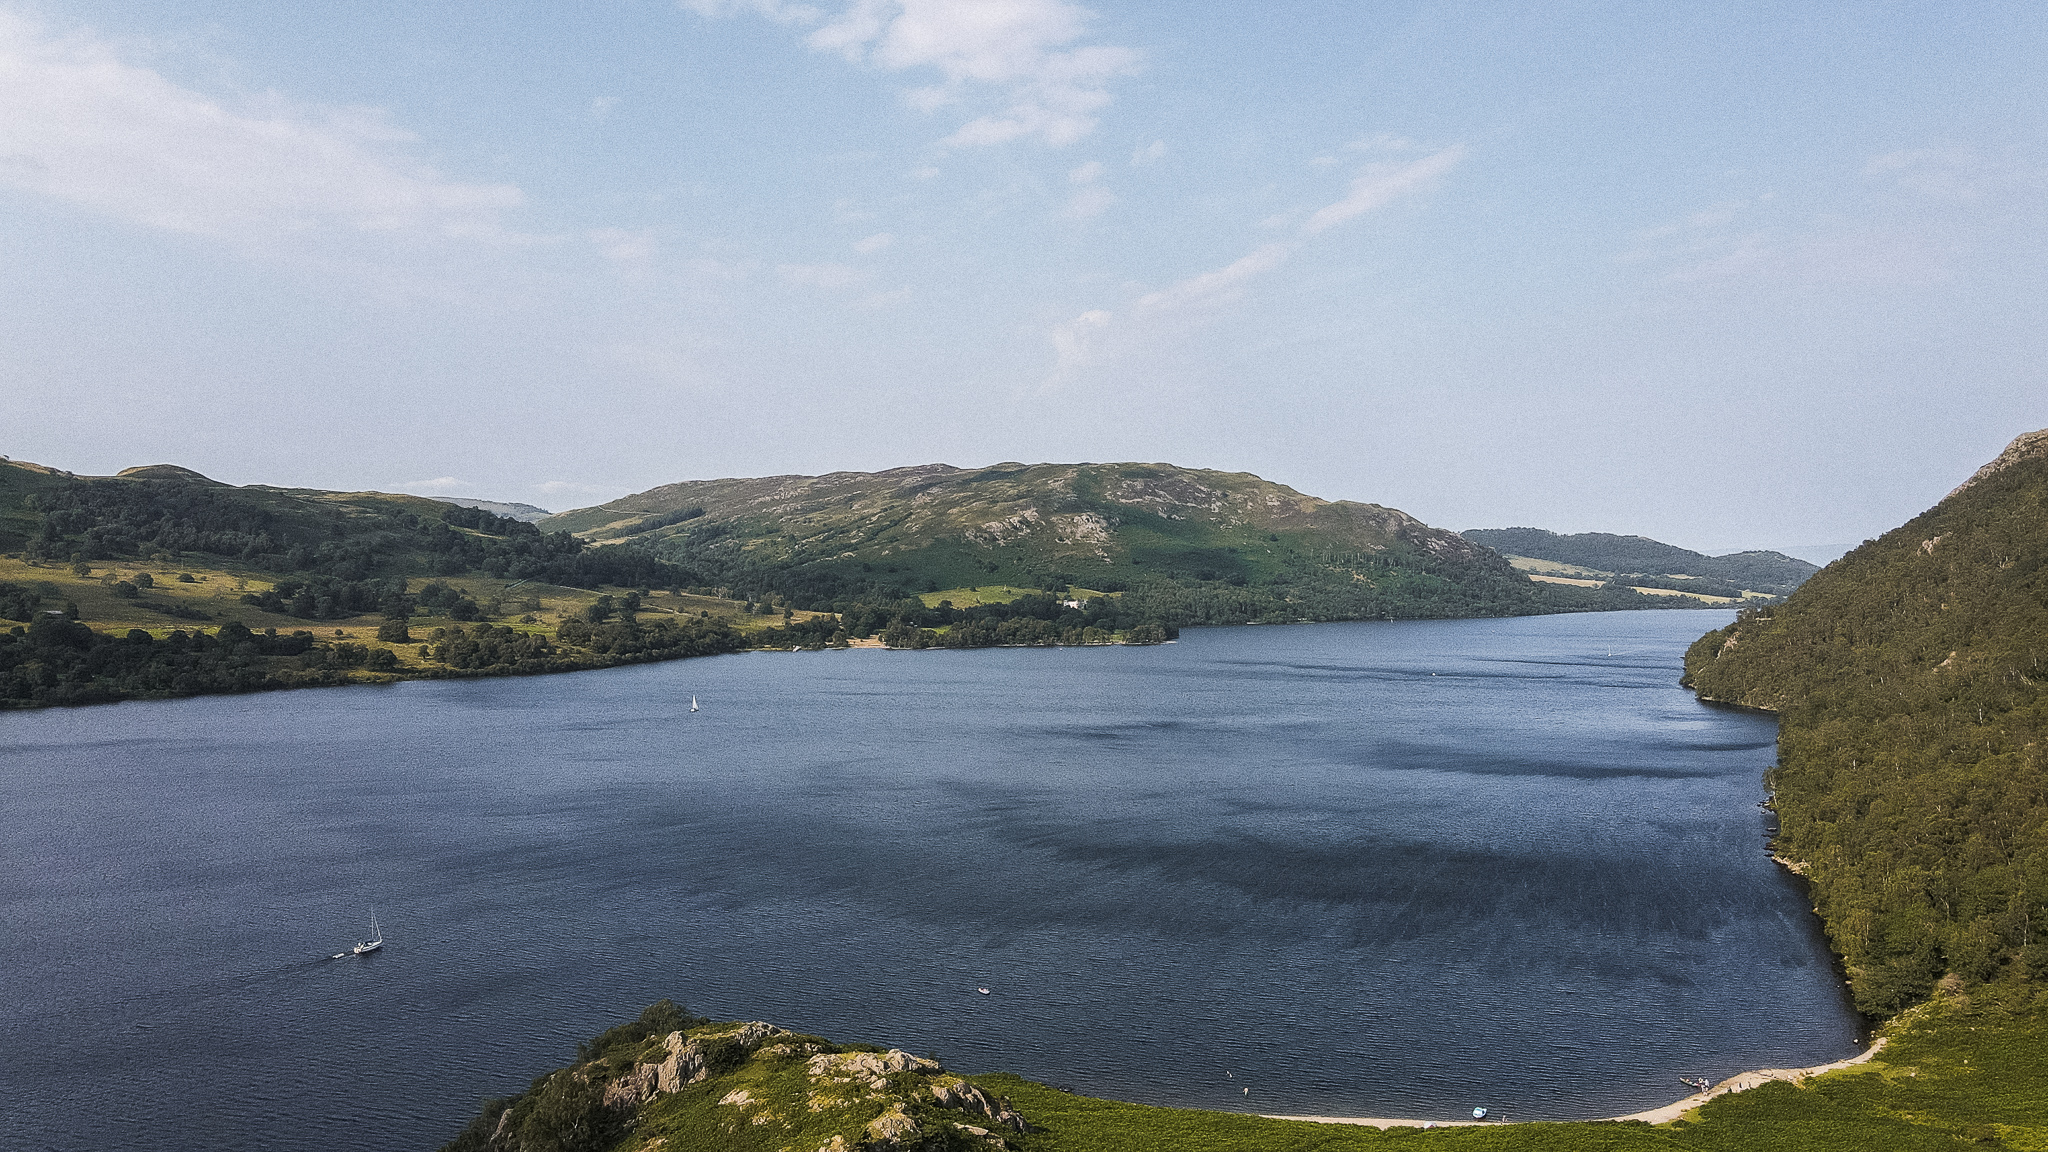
x=1740 y=1082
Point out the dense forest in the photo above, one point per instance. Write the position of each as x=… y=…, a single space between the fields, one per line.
x=1911 y=681
x=57 y=660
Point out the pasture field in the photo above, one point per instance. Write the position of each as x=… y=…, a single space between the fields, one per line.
x=999 y=594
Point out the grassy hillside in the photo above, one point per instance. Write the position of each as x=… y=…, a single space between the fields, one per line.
x=1911 y=681
x=1608 y=555
x=1184 y=546
x=1951 y=1077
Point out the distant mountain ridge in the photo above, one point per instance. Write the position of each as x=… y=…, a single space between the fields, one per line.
x=1761 y=571
x=524 y=513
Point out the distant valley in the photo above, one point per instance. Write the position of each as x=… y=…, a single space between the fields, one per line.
x=1594 y=559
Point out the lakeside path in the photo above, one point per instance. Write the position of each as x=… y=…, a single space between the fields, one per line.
x=1740 y=1082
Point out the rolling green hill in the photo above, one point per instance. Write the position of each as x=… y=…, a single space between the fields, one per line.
x=1911 y=682
x=1182 y=545
x=1770 y=572
x=161 y=582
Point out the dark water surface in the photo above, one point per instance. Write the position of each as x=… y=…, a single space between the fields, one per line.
x=1381 y=869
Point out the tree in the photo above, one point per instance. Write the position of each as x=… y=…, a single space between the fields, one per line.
x=394 y=631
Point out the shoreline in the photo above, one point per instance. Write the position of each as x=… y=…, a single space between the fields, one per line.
x=1740 y=1082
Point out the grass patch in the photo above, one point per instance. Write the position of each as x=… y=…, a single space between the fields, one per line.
x=1951 y=1079
x=974 y=596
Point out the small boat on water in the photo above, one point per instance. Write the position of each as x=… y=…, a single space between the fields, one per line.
x=376 y=940
x=693 y=703
x=983 y=991
x=1479 y=1113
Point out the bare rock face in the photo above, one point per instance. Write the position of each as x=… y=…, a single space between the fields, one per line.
x=886 y=1101
x=894 y=1128
x=2022 y=448
x=964 y=1097
x=689 y=1059
x=871 y=1066
x=634 y=1088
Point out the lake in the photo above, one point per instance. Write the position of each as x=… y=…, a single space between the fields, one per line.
x=1396 y=869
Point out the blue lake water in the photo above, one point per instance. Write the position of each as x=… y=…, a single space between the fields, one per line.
x=1366 y=869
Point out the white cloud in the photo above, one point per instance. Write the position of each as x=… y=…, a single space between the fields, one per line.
x=879 y=242
x=1833 y=254
x=1077 y=342
x=79 y=124
x=1023 y=55
x=601 y=106
x=1738 y=242
x=439 y=486
x=573 y=490
x=1380 y=184
x=1218 y=286
x=1073 y=341
x=1089 y=203
x=1149 y=154
x=1956 y=175
x=1383 y=142
x=1087 y=173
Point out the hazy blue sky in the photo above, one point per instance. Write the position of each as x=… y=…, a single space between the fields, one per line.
x=1731 y=275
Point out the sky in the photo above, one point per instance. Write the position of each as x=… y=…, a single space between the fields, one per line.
x=1740 y=275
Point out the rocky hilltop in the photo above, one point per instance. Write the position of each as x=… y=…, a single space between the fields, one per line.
x=671 y=1081
x=1079 y=513
x=1195 y=546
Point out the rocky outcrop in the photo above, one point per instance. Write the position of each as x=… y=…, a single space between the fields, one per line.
x=757 y=1077
x=964 y=1097
x=2024 y=447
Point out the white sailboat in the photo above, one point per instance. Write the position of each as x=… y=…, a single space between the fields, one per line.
x=375 y=941
x=693 y=703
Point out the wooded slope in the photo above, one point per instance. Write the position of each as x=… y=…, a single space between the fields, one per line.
x=1911 y=678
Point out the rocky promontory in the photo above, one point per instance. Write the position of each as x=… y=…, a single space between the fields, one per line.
x=673 y=1081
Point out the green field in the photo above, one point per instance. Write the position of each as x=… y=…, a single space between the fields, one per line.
x=998 y=594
